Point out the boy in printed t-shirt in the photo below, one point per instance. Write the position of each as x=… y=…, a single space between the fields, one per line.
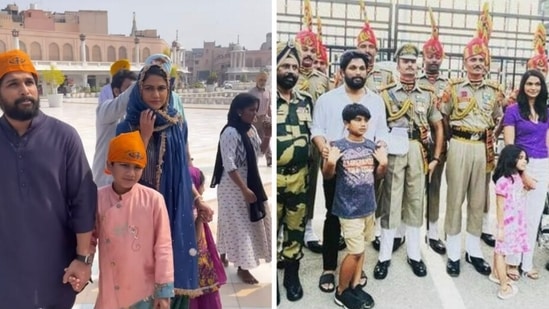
x=356 y=161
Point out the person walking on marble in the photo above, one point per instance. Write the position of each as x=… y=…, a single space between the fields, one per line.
x=264 y=111
x=47 y=195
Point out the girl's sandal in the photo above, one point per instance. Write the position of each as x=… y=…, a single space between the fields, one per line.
x=533 y=274
x=513 y=273
x=509 y=292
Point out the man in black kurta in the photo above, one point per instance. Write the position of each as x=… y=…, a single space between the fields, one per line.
x=48 y=199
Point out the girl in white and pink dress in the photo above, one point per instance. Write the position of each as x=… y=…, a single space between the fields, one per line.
x=511 y=223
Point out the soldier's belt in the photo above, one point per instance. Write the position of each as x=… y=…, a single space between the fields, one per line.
x=290 y=169
x=468 y=135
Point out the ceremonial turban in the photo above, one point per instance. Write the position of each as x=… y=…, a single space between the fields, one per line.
x=307 y=37
x=539 y=59
x=479 y=44
x=321 y=53
x=366 y=34
x=433 y=45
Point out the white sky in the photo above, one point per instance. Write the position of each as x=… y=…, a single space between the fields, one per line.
x=197 y=21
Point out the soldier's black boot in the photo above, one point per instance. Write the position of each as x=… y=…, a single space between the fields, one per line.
x=277 y=292
x=294 y=291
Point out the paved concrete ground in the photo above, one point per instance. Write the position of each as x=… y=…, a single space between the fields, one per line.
x=205 y=125
x=402 y=289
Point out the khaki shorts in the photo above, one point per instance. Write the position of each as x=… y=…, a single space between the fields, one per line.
x=356 y=232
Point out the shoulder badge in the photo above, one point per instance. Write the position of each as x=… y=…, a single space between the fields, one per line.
x=426 y=87
x=493 y=84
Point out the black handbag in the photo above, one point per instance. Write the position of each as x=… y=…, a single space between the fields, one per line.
x=257 y=211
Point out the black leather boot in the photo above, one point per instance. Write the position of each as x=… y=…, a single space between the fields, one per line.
x=294 y=291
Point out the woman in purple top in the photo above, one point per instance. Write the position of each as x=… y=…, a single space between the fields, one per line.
x=526 y=125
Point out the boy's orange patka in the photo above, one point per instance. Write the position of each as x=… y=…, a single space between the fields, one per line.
x=127 y=148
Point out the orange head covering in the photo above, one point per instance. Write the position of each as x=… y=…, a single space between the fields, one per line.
x=539 y=59
x=122 y=64
x=127 y=148
x=479 y=44
x=16 y=61
x=307 y=37
x=321 y=53
x=433 y=45
x=367 y=33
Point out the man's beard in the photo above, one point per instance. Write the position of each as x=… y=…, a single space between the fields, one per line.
x=286 y=81
x=432 y=68
x=16 y=112
x=355 y=83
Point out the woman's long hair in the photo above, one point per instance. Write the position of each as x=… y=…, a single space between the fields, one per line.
x=507 y=162
x=540 y=105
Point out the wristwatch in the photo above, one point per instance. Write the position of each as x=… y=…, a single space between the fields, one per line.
x=86 y=259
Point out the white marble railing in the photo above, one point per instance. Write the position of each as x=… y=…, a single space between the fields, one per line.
x=75 y=66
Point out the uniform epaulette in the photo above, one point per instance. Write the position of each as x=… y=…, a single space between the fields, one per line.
x=493 y=84
x=388 y=86
x=426 y=87
x=455 y=80
x=385 y=70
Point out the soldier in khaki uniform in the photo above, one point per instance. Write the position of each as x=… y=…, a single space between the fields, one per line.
x=293 y=120
x=314 y=83
x=375 y=79
x=433 y=54
x=410 y=111
x=471 y=107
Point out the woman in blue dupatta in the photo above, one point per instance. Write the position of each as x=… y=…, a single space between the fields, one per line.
x=151 y=107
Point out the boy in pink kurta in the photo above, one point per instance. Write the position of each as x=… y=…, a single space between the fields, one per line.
x=133 y=233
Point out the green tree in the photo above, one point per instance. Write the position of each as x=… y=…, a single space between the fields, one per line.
x=54 y=78
x=212 y=78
